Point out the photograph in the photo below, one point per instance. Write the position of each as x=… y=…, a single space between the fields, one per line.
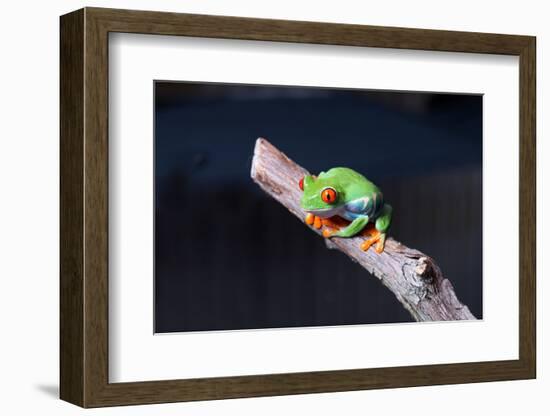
x=384 y=167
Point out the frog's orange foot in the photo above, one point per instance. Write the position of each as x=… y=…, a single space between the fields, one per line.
x=376 y=237
x=313 y=220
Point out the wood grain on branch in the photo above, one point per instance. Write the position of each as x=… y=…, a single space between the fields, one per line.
x=413 y=277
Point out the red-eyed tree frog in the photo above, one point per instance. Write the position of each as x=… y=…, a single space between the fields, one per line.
x=345 y=193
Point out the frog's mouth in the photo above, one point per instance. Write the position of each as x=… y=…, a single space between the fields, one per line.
x=324 y=212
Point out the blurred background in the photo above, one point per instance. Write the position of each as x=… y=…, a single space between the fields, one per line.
x=227 y=256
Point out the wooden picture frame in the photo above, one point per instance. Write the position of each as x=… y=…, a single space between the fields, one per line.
x=84 y=207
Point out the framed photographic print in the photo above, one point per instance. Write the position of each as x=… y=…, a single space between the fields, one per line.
x=255 y=207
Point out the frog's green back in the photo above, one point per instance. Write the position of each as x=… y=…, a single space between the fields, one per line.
x=354 y=184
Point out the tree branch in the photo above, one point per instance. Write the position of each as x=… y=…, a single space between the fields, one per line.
x=413 y=277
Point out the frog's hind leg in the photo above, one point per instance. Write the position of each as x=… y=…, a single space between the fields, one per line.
x=382 y=225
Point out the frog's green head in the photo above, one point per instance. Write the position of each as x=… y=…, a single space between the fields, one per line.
x=322 y=195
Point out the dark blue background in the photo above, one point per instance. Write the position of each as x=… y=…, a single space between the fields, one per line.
x=229 y=257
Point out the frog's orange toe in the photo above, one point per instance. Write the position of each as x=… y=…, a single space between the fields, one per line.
x=327 y=233
x=310 y=218
x=381 y=244
x=367 y=244
x=317 y=223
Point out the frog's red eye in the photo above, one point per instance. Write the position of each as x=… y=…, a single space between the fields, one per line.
x=329 y=195
x=301 y=184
